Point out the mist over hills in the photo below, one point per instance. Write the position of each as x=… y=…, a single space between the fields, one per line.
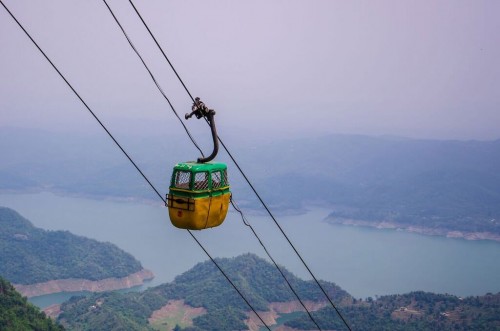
x=451 y=184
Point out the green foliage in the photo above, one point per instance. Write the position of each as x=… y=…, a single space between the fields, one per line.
x=202 y=286
x=411 y=312
x=106 y=311
x=32 y=255
x=257 y=279
x=222 y=319
x=16 y=313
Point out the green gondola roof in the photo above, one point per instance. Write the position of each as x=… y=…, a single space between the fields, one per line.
x=199 y=167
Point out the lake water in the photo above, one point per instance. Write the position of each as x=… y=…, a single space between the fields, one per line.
x=363 y=261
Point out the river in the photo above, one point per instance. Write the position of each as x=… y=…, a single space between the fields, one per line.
x=364 y=261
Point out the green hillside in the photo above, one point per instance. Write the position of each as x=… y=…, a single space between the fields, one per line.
x=32 y=255
x=204 y=286
x=201 y=286
x=413 y=312
x=16 y=313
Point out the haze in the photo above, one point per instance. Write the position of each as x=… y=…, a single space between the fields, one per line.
x=269 y=68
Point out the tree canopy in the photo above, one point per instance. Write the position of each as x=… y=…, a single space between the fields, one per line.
x=16 y=313
x=32 y=255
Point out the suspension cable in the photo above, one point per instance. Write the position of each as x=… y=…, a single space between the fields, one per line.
x=164 y=55
x=84 y=103
x=286 y=237
x=232 y=201
x=128 y=157
x=249 y=183
x=228 y=279
x=245 y=221
x=154 y=79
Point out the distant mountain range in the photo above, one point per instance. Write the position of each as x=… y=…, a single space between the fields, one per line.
x=429 y=183
x=453 y=184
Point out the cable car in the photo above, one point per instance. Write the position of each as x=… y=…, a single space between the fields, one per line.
x=199 y=192
x=199 y=195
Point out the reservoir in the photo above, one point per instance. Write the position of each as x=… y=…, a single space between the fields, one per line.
x=363 y=261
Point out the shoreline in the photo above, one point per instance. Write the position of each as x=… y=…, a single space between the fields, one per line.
x=438 y=232
x=80 y=285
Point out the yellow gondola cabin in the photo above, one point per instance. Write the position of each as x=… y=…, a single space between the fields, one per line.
x=199 y=195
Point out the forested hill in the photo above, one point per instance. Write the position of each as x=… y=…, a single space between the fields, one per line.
x=222 y=309
x=16 y=313
x=202 y=286
x=32 y=255
x=412 y=312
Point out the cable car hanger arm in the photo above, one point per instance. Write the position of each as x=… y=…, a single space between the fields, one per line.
x=200 y=110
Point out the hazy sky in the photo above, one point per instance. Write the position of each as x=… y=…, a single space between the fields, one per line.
x=427 y=69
